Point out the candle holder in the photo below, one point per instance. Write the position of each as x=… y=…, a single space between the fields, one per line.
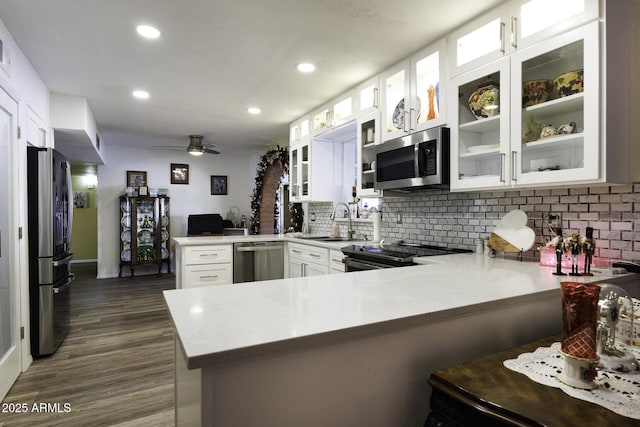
x=578 y=339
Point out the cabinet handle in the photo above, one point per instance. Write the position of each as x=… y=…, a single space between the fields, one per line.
x=514 y=32
x=215 y=276
x=303 y=269
x=207 y=255
x=502 y=159
x=375 y=97
x=514 y=170
x=315 y=255
x=407 y=117
x=296 y=251
x=503 y=47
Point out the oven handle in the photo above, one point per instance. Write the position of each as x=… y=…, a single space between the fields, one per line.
x=365 y=265
x=63 y=287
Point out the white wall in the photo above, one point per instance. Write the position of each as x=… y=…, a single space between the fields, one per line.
x=185 y=199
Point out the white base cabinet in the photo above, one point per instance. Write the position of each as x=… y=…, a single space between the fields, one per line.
x=204 y=265
x=307 y=260
x=335 y=261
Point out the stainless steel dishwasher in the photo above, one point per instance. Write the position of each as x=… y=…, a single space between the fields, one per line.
x=258 y=261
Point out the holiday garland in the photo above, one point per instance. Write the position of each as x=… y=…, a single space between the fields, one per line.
x=276 y=155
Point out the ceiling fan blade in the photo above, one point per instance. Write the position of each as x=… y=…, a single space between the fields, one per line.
x=210 y=151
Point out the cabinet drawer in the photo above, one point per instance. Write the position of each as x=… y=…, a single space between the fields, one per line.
x=309 y=253
x=335 y=261
x=208 y=254
x=206 y=275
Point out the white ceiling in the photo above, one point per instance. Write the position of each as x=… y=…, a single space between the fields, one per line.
x=216 y=58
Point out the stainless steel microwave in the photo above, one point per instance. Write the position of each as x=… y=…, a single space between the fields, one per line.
x=416 y=160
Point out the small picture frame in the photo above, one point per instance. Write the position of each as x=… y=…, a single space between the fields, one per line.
x=136 y=179
x=80 y=199
x=143 y=191
x=179 y=173
x=218 y=185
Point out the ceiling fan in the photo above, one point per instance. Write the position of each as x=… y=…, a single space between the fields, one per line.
x=197 y=146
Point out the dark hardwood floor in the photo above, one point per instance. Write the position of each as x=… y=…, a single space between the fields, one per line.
x=115 y=368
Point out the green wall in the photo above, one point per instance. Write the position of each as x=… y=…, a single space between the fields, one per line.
x=84 y=234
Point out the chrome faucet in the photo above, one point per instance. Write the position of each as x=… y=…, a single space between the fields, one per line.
x=350 y=232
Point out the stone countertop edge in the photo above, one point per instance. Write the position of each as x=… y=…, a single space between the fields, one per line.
x=222 y=323
x=227 y=240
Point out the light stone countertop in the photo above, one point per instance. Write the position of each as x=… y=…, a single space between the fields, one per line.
x=227 y=322
x=290 y=237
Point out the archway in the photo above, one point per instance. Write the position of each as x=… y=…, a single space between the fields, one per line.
x=271 y=168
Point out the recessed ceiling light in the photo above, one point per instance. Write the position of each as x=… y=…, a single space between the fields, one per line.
x=306 y=67
x=140 y=94
x=148 y=32
x=253 y=110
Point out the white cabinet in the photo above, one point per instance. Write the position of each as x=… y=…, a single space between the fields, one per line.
x=203 y=265
x=335 y=261
x=414 y=93
x=36 y=130
x=368 y=96
x=334 y=114
x=480 y=147
x=299 y=130
x=310 y=164
x=307 y=260
x=512 y=26
x=535 y=20
x=506 y=147
x=368 y=138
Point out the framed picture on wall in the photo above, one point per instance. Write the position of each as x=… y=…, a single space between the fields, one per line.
x=136 y=179
x=80 y=199
x=179 y=173
x=218 y=185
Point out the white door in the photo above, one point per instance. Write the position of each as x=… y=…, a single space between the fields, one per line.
x=9 y=287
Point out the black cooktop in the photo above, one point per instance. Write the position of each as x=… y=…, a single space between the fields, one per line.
x=399 y=253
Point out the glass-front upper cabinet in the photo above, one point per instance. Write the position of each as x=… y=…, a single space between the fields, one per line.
x=512 y=26
x=555 y=123
x=368 y=137
x=413 y=93
x=546 y=130
x=299 y=171
x=480 y=123
x=480 y=41
x=535 y=20
x=334 y=114
x=368 y=94
x=299 y=130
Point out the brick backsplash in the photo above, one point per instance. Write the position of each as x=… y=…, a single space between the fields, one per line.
x=437 y=216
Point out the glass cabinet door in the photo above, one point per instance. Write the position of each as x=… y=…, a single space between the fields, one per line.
x=304 y=170
x=555 y=132
x=427 y=94
x=368 y=94
x=535 y=20
x=479 y=112
x=395 y=92
x=481 y=41
x=294 y=162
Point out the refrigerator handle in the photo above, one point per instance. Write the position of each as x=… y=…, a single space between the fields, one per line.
x=70 y=202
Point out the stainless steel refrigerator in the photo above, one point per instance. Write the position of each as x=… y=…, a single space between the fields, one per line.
x=50 y=212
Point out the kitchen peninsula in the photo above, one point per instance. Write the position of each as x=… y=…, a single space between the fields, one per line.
x=353 y=348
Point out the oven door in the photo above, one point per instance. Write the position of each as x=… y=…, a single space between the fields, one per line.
x=353 y=264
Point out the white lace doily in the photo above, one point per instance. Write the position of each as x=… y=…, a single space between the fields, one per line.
x=617 y=392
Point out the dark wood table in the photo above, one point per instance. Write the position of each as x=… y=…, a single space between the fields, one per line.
x=482 y=392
